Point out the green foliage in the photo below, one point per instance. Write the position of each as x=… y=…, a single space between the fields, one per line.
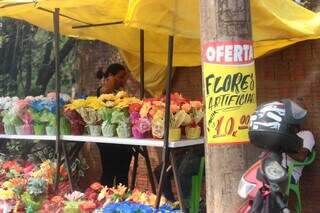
x=27 y=59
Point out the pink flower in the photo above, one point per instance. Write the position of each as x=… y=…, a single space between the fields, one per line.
x=134 y=117
x=144 y=125
x=28 y=169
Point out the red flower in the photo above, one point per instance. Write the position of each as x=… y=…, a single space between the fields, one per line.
x=135 y=107
x=87 y=206
x=96 y=186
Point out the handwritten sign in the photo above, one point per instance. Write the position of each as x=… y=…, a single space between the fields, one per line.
x=230 y=91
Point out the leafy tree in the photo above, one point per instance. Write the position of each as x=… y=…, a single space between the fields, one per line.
x=27 y=62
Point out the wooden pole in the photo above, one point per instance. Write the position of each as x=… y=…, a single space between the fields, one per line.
x=224 y=22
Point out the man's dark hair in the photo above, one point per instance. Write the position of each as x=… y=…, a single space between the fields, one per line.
x=114 y=69
x=100 y=73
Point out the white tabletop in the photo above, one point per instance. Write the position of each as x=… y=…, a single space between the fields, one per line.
x=114 y=140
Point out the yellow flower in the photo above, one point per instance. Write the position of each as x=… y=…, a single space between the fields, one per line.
x=8 y=185
x=145 y=109
x=109 y=104
x=46 y=171
x=121 y=94
x=75 y=104
x=107 y=97
x=6 y=194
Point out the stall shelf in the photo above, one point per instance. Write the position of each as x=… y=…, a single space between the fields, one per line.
x=149 y=142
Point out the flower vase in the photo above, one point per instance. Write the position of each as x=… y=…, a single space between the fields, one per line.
x=39 y=129
x=1 y=128
x=174 y=134
x=157 y=129
x=9 y=129
x=19 y=130
x=95 y=130
x=124 y=131
x=77 y=129
x=108 y=130
x=64 y=126
x=193 y=132
x=51 y=130
x=27 y=129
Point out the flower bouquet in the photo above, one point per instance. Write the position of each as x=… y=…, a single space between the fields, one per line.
x=76 y=122
x=108 y=128
x=5 y=104
x=10 y=120
x=73 y=201
x=36 y=107
x=193 y=130
x=141 y=126
x=120 y=117
x=38 y=124
x=91 y=116
x=34 y=195
x=178 y=119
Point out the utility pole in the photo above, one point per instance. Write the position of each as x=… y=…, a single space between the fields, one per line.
x=230 y=98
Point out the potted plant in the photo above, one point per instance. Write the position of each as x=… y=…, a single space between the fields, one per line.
x=10 y=120
x=108 y=128
x=193 y=130
x=76 y=122
x=120 y=117
x=92 y=119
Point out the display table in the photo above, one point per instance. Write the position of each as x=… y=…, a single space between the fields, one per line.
x=114 y=140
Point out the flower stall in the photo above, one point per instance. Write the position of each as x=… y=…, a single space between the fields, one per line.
x=115 y=119
x=110 y=118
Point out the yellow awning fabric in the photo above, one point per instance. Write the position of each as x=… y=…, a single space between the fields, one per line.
x=276 y=24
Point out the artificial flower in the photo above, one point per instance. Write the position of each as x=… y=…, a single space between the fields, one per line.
x=74 y=196
x=96 y=186
x=6 y=194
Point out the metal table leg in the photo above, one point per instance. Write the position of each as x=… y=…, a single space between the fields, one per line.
x=145 y=154
x=163 y=177
x=177 y=180
x=135 y=167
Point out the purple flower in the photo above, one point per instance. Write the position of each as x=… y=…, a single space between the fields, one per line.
x=144 y=125
x=134 y=117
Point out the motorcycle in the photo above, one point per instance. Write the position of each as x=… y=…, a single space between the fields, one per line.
x=272 y=127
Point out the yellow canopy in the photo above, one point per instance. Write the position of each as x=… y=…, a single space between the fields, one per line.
x=276 y=24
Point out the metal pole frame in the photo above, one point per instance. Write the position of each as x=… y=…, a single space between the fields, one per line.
x=142 y=150
x=59 y=144
x=166 y=151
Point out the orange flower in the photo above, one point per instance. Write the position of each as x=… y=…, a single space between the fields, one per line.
x=186 y=107
x=196 y=104
x=57 y=199
x=87 y=206
x=96 y=186
x=18 y=182
x=174 y=108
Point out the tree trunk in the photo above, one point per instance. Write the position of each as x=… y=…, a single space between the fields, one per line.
x=47 y=72
x=224 y=21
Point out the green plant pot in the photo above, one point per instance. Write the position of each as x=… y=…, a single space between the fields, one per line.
x=39 y=129
x=65 y=126
x=95 y=130
x=108 y=130
x=50 y=130
x=18 y=130
x=123 y=132
x=9 y=129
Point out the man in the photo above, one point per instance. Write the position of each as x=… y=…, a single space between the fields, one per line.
x=115 y=159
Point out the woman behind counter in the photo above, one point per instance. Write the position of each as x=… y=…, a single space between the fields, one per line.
x=115 y=159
